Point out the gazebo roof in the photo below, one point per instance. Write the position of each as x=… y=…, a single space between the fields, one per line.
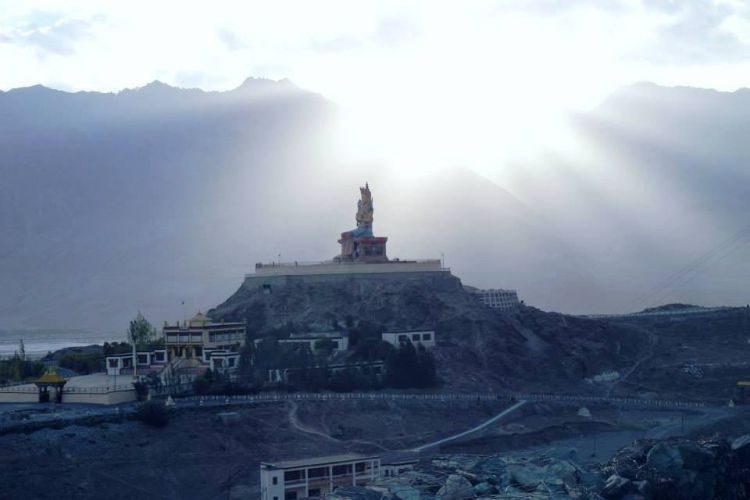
x=51 y=377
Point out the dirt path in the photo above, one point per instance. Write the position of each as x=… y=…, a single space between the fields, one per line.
x=297 y=424
x=649 y=354
x=479 y=427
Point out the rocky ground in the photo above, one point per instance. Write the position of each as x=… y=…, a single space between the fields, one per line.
x=677 y=468
x=197 y=455
x=700 y=356
x=200 y=454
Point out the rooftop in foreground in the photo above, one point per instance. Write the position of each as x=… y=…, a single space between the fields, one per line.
x=309 y=462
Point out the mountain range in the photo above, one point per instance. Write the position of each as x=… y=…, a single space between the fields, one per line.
x=159 y=199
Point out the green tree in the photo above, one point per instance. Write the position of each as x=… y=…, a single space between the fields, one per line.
x=140 y=331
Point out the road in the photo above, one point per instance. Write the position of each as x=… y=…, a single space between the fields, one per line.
x=470 y=431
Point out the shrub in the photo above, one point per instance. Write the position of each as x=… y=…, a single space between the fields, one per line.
x=153 y=413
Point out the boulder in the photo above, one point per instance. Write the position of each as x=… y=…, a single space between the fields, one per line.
x=456 y=488
x=563 y=470
x=405 y=492
x=665 y=459
x=528 y=476
x=354 y=493
x=616 y=487
x=695 y=457
x=484 y=489
x=741 y=442
x=741 y=448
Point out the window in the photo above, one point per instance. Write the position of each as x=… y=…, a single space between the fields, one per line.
x=415 y=336
x=112 y=363
x=317 y=472
x=294 y=475
x=340 y=470
x=426 y=336
x=275 y=480
x=359 y=467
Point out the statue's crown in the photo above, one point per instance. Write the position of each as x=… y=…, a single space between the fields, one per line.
x=365 y=190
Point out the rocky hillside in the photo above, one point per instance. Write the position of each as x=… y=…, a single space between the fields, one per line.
x=699 y=354
x=478 y=348
x=669 y=469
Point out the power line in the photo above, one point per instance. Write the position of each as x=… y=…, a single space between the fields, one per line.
x=695 y=264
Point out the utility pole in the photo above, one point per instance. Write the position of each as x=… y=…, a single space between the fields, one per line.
x=593 y=453
x=682 y=424
x=135 y=361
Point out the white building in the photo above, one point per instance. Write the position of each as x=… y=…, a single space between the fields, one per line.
x=340 y=341
x=367 y=368
x=314 y=477
x=497 y=298
x=121 y=364
x=416 y=337
x=396 y=468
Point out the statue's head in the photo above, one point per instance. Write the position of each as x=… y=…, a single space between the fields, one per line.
x=365 y=192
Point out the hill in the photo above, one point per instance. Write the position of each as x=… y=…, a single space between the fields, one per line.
x=479 y=348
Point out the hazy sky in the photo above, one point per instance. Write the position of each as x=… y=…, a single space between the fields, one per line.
x=420 y=82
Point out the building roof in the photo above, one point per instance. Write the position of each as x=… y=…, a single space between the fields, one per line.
x=316 y=336
x=199 y=318
x=412 y=330
x=309 y=462
x=51 y=377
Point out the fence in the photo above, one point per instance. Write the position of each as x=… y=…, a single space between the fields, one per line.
x=444 y=397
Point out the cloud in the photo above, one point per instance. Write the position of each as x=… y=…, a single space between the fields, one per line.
x=396 y=30
x=230 y=39
x=337 y=44
x=696 y=34
x=58 y=37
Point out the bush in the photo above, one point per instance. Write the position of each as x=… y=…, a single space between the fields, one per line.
x=153 y=413
x=83 y=363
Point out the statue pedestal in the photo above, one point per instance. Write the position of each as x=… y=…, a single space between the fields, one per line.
x=362 y=248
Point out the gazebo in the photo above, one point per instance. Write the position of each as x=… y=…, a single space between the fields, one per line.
x=50 y=379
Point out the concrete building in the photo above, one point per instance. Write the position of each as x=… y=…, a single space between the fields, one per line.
x=398 y=467
x=340 y=340
x=416 y=337
x=368 y=368
x=314 y=477
x=121 y=364
x=497 y=298
x=199 y=339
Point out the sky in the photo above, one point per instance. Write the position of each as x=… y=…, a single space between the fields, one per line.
x=424 y=83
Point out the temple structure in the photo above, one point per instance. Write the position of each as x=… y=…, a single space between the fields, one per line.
x=363 y=255
x=360 y=244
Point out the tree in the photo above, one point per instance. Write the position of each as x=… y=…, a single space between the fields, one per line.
x=21 y=350
x=140 y=331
